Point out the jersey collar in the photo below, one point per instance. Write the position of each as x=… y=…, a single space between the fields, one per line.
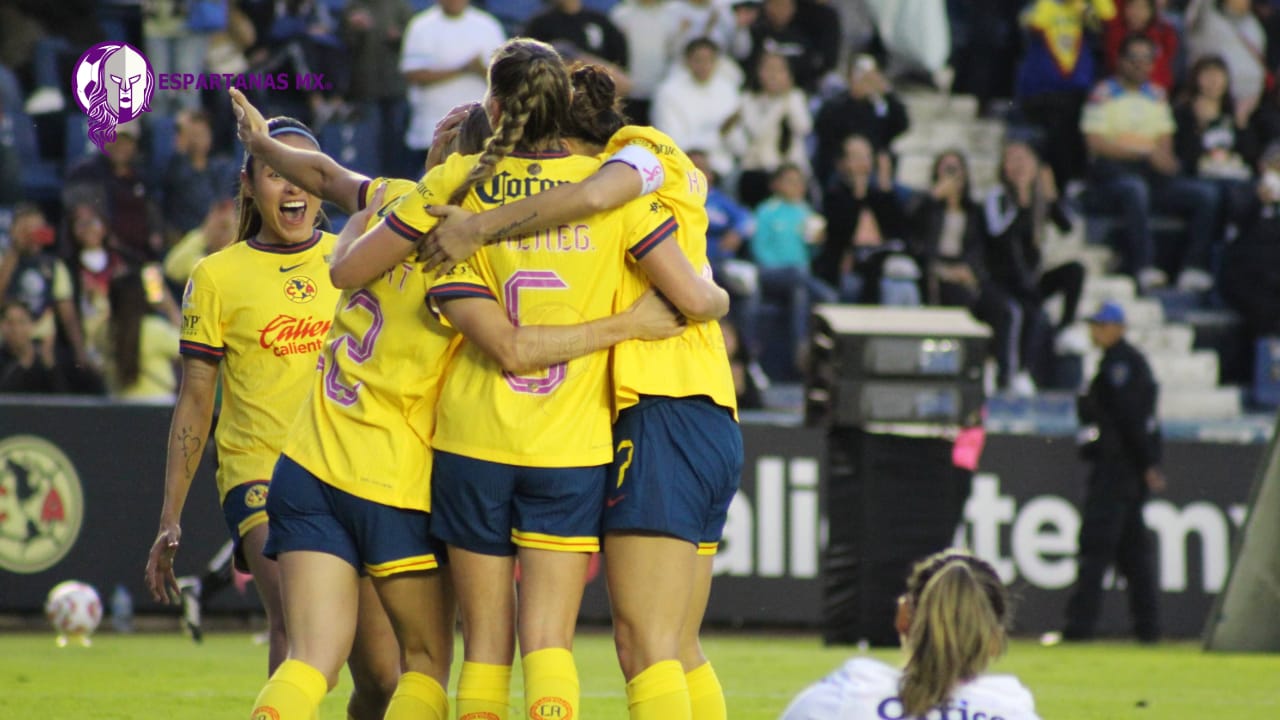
x=544 y=155
x=254 y=243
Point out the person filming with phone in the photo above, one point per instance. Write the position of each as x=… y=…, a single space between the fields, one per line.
x=142 y=335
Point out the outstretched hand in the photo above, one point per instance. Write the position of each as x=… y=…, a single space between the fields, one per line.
x=250 y=124
x=450 y=242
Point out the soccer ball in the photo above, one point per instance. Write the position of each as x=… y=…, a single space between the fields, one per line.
x=74 y=609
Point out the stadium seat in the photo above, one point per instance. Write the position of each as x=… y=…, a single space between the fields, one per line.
x=161 y=132
x=76 y=143
x=1266 y=373
x=353 y=141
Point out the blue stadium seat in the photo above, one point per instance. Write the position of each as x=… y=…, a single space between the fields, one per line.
x=76 y=143
x=161 y=132
x=1266 y=373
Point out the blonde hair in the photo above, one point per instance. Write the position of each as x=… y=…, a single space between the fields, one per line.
x=249 y=222
x=529 y=81
x=959 y=611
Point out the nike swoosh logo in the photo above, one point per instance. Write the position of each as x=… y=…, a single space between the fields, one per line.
x=291 y=267
x=615 y=500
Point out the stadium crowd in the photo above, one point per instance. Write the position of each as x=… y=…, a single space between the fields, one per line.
x=1135 y=108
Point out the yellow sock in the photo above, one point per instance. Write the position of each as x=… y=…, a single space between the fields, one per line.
x=294 y=692
x=706 y=697
x=484 y=691
x=551 y=689
x=660 y=691
x=418 y=697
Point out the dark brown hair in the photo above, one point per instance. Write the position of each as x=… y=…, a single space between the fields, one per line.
x=596 y=111
x=128 y=300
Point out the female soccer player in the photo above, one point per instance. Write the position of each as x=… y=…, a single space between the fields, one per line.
x=952 y=622
x=332 y=518
x=258 y=311
x=678 y=447
x=520 y=463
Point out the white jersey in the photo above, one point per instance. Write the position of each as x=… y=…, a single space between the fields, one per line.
x=866 y=689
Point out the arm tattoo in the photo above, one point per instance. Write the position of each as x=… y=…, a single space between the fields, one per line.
x=191 y=446
x=509 y=228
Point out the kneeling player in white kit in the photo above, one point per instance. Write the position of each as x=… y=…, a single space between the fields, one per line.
x=952 y=621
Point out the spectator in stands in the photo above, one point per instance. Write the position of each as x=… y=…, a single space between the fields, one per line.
x=177 y=35
x=113 y=181
x=27 y=364
x=744 y=384
x=1145 y=17
x=581 y=34
x=1213 y=138
x=648 y=28
x=94 y=263
x=770 y=128
x=984 y=39
x=216 y=232
x=1017 y=213
x=695 y=107
x=1228 y=28
x=865 y=222
x=372 y=31
x=948 y=237
x=58 y=32
x=729 y=227
x=444 y=59
x=1250 y=280
x=304 y=40
x=787 y=232
x=1056 y=73
x=805 y=32
x=191 y=181
x=142 y=341
x=41 y=281
x=869 y=109
x=727 y=22
x=1129 y=128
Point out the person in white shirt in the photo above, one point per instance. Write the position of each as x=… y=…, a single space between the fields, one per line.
x=695 y=105
x=952 y=622
x=444 y=58
x=648 y=26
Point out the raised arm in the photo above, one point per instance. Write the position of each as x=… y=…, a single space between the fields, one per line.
x=192 y=416
x=613 y=185
x=311 y=170
x=534 y=347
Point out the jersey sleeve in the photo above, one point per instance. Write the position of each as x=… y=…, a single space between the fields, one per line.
x=408 y=217
x=462 y=281
x=649 y=222
x=817 y=702
x=201 y=318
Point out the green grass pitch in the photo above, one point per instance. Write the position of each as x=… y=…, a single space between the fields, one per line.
x=167 y=676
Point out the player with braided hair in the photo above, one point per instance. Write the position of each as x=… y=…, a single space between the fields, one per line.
x=678 y=448
x=952 y=622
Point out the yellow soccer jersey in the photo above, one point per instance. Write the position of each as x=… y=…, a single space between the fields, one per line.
x=366 y=425
x=262 y=311
x=559 y=417
x=695 y=362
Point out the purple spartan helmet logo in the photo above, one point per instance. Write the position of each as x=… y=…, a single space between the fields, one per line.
x=114 y=83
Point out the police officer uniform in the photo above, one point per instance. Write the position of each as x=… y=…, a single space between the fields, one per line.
x=1119 y=416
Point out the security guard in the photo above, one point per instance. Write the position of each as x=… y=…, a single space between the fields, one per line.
x=1123 y=445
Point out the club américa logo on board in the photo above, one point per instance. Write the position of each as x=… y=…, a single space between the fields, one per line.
x=41 y=504
x=114 y=84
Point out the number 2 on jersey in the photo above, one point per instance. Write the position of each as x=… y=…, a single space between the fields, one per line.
x=531 y=280
x=358 y=350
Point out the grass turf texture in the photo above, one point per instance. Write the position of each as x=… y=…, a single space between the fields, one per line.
x=160 y=675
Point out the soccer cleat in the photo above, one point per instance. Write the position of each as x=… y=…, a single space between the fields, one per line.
x=189 y=587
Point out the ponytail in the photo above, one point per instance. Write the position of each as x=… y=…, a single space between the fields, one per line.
x=959 y=609
x=527 y=78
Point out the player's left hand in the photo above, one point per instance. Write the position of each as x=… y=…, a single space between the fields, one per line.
x=450 y=242
x=250 y=124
